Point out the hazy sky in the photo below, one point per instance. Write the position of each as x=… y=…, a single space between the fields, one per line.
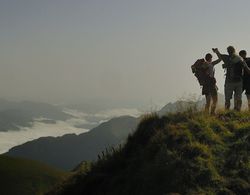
x=133 y=50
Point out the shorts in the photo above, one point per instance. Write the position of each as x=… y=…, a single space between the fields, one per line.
x=209 y=90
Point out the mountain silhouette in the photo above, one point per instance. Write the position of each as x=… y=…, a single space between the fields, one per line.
x=67 y=151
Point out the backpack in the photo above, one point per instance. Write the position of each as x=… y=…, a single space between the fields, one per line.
x=234 y=70
x=199 y=71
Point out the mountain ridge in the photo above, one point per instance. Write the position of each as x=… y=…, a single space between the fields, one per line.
x=67 y=151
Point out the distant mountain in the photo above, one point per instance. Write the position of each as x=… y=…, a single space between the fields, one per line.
x=21 y=114
x=182 y=105
x=27 y=177
x=69 y=150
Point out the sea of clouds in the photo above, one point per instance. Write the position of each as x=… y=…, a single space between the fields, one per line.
x=74 y=125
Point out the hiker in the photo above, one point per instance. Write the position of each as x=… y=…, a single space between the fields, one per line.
x=203 y=69
x=209 y=88
x=234 y=66
x=246 y=77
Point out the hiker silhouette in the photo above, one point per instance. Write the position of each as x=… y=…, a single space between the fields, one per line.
x=234 y=66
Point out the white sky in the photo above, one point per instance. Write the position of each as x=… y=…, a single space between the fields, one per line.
x=133 y=50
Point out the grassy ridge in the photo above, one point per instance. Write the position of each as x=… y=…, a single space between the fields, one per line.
x=21 y=176
x=183 y=153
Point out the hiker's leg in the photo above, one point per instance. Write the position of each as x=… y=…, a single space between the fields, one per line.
x=235 y=101
x=213 y=107
x=208 y=102
x=214 y=96
x=248 y=100
x=238 y=96
x=238 y=104
x=248 y=96
x=228 y=91
x=235 y=97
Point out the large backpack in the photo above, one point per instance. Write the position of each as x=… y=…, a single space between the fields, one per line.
x=234 y=69
x=200 y=72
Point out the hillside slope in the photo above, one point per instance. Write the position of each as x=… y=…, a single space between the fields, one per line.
x=24 y=177
x=184 y=153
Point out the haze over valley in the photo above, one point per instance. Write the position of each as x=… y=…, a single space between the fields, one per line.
x=25 y=121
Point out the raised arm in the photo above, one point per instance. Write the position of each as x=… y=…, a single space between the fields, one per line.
x=223 y=57
x=215 y=50
x=216 y=62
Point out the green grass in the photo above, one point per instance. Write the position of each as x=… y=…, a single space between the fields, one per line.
x=185 y=153
x=24 y=177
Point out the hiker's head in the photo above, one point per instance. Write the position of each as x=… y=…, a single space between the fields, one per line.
x=230 y=50
x=243 y=53
x=208 y=57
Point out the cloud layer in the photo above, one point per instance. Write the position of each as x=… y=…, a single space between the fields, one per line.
x=74 y=125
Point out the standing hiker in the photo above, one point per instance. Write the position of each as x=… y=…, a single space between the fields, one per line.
x=234 y=66
x=246 y=77
x=209 y=88
x=204 y=71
